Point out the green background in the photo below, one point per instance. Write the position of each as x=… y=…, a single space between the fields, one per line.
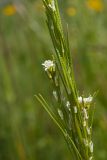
x=26 y=131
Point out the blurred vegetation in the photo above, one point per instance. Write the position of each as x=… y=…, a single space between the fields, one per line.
x=26 y=132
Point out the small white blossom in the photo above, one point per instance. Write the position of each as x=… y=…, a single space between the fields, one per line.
x=85 y=100
x=85 y=113
x=55 y=95
x=75 y=109
x=48 y=64
x=88 y=131
x=68 y=105
x=60 y=114
x=80 y=99
x=88 y=100
x=85 y=142
x=91 y=158
x=52 y=6
x=91 y=146
x=84 y=123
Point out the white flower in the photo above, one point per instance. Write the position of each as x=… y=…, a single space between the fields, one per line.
x=48 y=64
x=80 y=99
x=60 y=114
x=85 y=142
x=68 y=105
x=75 y=109
x=91 y=146
x=88 y=131
x=88 y=100
x=84 y=123
x=91 y=158
x=85 y=100
x=85 y=113
x=55 y=95
x=52 y=6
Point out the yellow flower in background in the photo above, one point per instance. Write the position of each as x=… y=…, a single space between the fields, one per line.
x=71 y=11
x=9 y=10
x=96 y=5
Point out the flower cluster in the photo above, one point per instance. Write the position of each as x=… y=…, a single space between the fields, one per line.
x=85 y=100
x=48 y=65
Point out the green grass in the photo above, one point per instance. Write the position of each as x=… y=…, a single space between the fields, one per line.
x=26 y=131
